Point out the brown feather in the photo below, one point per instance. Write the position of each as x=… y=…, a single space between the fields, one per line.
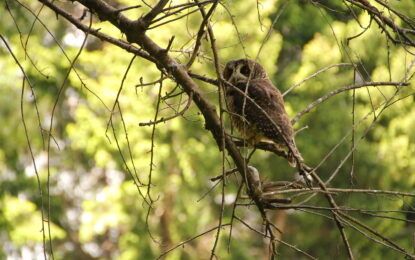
x=260 y=116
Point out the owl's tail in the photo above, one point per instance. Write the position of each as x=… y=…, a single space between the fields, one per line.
x=290 y=155
x=291 y=159
x=293 y=154
x=304 y=171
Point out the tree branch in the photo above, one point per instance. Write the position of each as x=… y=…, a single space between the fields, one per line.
x=340 y=90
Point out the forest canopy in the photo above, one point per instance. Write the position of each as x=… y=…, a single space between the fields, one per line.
x=117 y=141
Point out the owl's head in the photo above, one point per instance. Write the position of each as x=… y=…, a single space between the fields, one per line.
x=242 y=70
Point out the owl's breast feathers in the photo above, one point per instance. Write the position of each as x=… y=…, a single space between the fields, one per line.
x=261 y=115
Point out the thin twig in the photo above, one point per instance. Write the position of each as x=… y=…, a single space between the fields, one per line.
x=315 y=75
x=343 y=89
x=191 y=239
x=165 y=119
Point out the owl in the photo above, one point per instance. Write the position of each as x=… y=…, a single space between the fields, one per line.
x=257 y=108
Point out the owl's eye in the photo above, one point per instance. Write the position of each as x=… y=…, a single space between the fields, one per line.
x=245 y=70
x=227 y=73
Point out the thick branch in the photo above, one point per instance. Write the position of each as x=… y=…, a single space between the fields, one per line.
x=158 y=8
x=120 y=43
x=384 y=21
x=135 y=33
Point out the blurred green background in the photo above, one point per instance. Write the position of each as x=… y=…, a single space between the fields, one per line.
x=96 y=210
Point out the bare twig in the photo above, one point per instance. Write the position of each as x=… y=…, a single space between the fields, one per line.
x=315 y=75
x=165 y=119
x=42 y=210
x=343 y=89
x=191 y=239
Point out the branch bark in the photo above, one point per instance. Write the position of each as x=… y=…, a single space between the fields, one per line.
x=135 y=33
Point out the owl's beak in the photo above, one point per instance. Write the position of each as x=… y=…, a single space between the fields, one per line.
x=233 y=77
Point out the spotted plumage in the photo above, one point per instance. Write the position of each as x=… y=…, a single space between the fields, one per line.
x=259 y=115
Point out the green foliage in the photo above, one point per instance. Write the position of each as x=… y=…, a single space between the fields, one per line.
x=23 y=221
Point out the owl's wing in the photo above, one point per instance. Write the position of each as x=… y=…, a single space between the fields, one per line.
x=269 y=102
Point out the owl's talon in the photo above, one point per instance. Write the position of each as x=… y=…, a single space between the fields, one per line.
x=255 y=181
x=304 y=175
x=308 y=182
x=176 y=65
